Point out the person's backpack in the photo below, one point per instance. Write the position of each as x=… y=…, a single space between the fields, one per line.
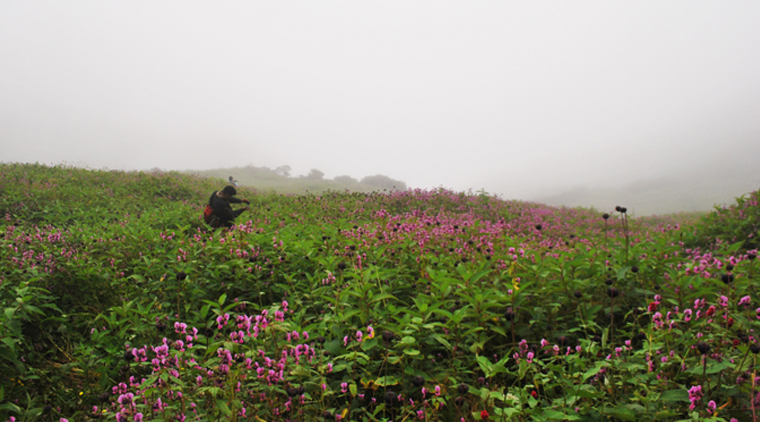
x=208 y=215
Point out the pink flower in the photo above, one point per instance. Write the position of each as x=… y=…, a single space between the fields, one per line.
x=711 y=406
x=695 y=395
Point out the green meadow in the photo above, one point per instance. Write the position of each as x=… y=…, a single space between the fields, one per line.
x=119 y=303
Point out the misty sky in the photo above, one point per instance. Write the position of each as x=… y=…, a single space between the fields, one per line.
x=513 y=97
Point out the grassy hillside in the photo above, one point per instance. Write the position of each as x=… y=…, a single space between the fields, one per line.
x=118 y=303
x=279 y=180
x=690 y=192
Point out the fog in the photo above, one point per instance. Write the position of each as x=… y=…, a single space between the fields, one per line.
x=576 y=103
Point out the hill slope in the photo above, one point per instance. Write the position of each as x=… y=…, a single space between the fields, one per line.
x=414 y=304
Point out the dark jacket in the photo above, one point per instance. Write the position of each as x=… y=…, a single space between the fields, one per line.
x=222 y=209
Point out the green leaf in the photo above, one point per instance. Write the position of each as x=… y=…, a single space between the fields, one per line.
x=380 y=296
x=560 y=416
x=9 y=313
x=622 y=413
x=386 y=381
x=408 y=340
x=204 y=311
x=222 y=405
x=485 y=365
x=12 y=407
x=591 y=372
x=717 y=367
x=442 y=340
x=677 y=395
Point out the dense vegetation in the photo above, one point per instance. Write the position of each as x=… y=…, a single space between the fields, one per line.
x=118 y=303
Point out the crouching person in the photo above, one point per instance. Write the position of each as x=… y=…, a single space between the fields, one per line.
x=219 y=212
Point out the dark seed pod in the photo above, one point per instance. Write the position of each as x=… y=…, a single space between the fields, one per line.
x=751 y=255
x=727 y=278
x=617 y=208
x=459 y=401
x=390 y=398
x=754 y=348
x=605 y=216
x=577 y=294
x=623 y=210
x=634 y=269
x=418 y=381
x=538 y=227
x=160 y=327
x=703 y=347
x=729 y=267
x=128 y=356
x=388 y=336
x=608 y=282
x=292 y=392
x=463 y=388
x=181 y=276
x=613 y=292
x=509 y=315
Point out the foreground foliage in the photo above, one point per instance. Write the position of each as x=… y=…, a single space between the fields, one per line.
x=430 y=305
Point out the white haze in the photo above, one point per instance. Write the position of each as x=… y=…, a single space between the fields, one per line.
x=531 y=100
